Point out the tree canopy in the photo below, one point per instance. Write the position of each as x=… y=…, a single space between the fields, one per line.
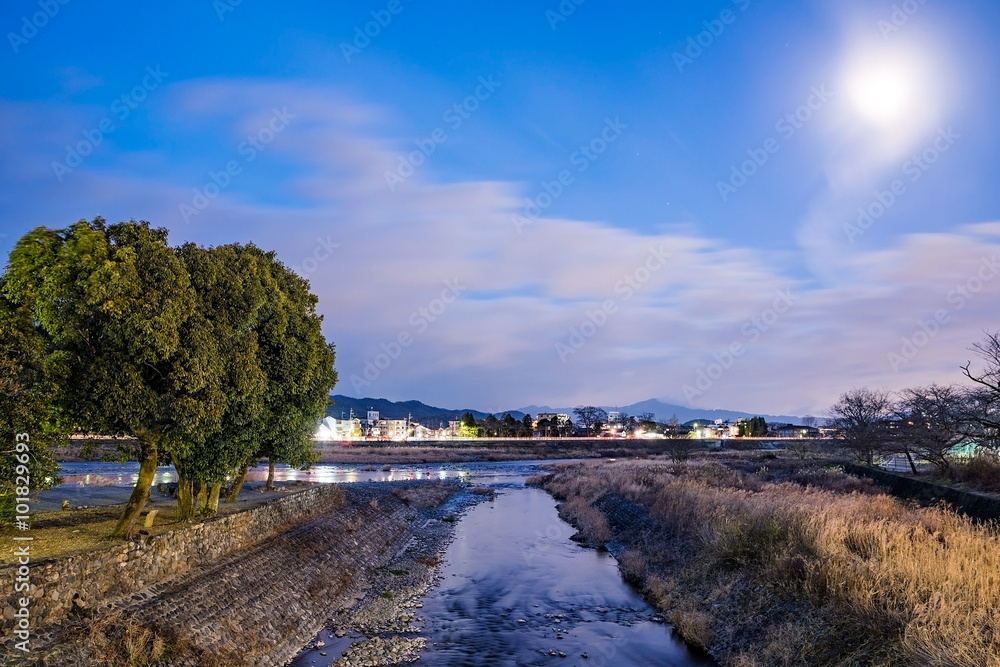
x=164 y=344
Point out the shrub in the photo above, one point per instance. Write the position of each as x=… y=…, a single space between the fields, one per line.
x=982 y=471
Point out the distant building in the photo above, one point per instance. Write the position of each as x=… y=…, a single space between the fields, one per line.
x=389 y=429
x=338 y=429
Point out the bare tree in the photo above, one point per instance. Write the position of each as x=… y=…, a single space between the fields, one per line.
x=591 y=418
x=627 y=423
x=861 y=417
x=931 y=421
x=985 y=397
x=984 y=415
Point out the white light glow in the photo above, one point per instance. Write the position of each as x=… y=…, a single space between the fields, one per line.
x=886 y=90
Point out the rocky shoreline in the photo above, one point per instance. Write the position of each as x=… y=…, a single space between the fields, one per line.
x=358 y=570
x=383 y=627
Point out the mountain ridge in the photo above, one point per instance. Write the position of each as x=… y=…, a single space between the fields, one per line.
x=430 y=415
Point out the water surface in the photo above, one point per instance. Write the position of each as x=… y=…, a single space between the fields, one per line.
x=515 y=589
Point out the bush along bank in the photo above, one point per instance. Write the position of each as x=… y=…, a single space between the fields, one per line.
x=824 y=570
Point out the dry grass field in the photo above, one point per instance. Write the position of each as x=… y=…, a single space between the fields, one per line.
x=821 y=569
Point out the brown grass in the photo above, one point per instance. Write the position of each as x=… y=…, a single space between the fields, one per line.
x=818 y=570
x=116 y=639
x=981 y=472
x=539 y=479
x=426 y=494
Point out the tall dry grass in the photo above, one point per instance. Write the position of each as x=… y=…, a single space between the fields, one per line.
x=824 y=573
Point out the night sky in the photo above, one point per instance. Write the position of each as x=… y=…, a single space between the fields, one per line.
x=736 y=204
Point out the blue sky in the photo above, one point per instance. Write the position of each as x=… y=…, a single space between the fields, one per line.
x=505 y=204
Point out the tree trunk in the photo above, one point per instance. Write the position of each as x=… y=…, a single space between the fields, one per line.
x=202 y=496
x=185 y=498
x=270 y=476
x=213 y=497
x=140 y=494
x=237 y=485
x=185 y=492
x=913 y=466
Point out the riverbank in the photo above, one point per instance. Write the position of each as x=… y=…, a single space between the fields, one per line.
x=261 y=604
x=458 y=451
x=820 y=569
x=372 y=452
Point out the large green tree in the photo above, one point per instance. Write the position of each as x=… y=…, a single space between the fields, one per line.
x=119 y=313
x=28 y=422
x=299 y=366
x=231 y=285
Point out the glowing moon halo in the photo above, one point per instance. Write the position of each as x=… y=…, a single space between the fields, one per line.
x=885 y=90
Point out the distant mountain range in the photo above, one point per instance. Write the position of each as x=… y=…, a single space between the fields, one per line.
x=664 y=411
x=429 y=415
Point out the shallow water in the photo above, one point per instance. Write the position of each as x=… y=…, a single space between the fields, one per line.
x=515 y=588
x=97 y=473
x=511 y=561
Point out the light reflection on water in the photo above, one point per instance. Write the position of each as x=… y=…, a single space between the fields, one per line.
x=98 y=473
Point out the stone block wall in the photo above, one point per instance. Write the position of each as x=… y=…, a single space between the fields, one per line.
x=57 y=585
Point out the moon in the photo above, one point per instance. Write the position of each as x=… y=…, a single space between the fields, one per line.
x=884 y=90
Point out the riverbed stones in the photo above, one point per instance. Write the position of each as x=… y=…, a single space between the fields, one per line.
x=379 y=652
x=261 y=604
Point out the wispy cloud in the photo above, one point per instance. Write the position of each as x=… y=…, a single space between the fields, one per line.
x=321 y=185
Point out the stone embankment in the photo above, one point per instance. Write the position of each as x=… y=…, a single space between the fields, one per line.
x=260 y=604
x=974 y=505
x=63 y=586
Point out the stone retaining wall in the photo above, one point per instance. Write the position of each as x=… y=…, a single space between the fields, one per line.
x=256 y=606
x=974 y=505
x=57 y=585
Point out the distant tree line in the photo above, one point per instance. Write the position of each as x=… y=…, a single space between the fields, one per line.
x=491 y=427
x=210 y=358
x=925 y=423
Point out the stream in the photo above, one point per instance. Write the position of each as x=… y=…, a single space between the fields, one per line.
x=515 y=590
